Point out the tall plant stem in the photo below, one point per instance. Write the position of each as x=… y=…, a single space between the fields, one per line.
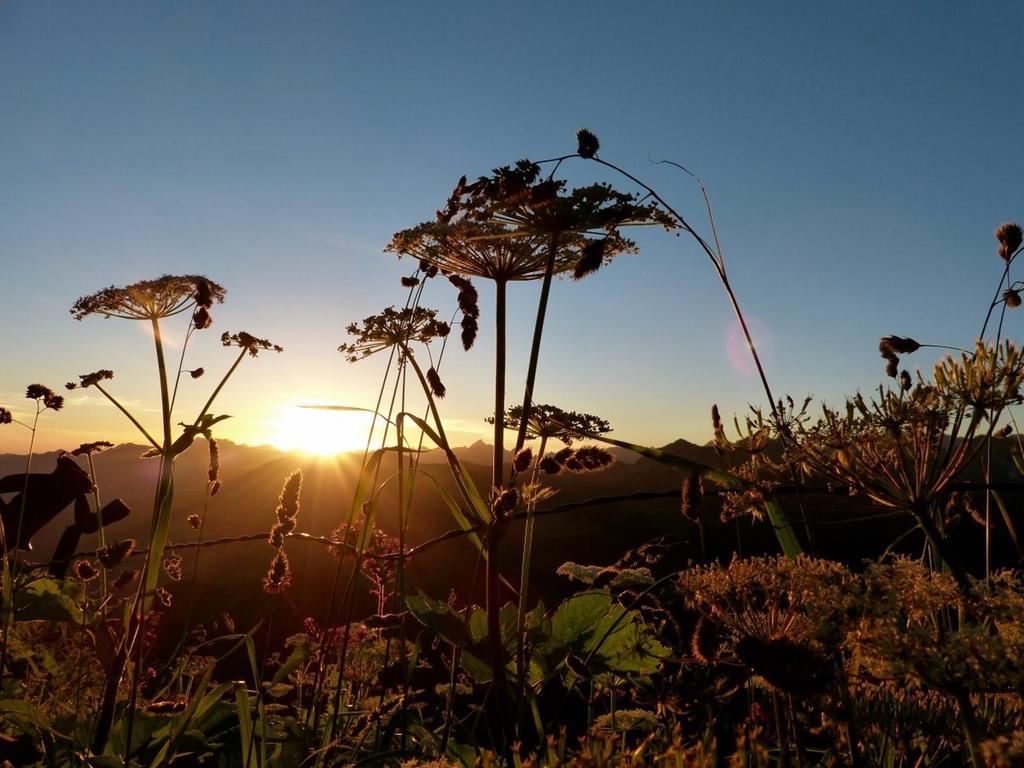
x=11 y=548
x=498 y=465
x=99 y=531
x=718 y=262
x=524 y=589
x=538 y=332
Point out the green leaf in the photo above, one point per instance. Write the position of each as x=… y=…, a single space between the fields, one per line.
x=576 y=615
x=47 y=600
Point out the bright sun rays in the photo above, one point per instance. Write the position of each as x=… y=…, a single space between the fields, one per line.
x=321 y=432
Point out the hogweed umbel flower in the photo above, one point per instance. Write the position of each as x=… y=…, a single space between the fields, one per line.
x=151 y=299
x=392 y=328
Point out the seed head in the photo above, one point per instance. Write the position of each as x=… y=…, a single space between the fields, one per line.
x=151 y=299
x=905 y=381
x=704 y=642
x=91 y=379
x=5 y=416
x=288 y=503
x=892 y=366
x=49 y=398
x=591 y=259
x=1011 y=298
x=215 y=488
x=436 y=385
x=549 y=465
x=897 y=345
x=1004 y=431
x=523 y=459
x=249 y=343
x=115 y=554
x=213 y=472
x=196 y=372
x=410 y=282
x=279 y=575
x=202 y=319
x=1009 y=236
x=469 y=329
x=125 y=579
x=691 y=494
x=85 y=570
x=194 y=521
x=586 y=143
x=88 y=449
x=505 y=501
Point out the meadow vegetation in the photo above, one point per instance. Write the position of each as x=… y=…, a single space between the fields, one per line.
x=679 y=653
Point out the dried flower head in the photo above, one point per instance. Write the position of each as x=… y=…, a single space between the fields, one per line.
x=213 y=470
x=905 y=381
x=436 y=385
x=392 y=328
x=173 y=565
x=279 y=575
x=125 y=579
x=90 y=379
x=1009 y=236
x=523 y=459
x=193 y=521
x=690 y=496
x=1011 y=297
x=410 y=282
x=288 y=501
x=113 y=555
x=50 y=399
x=248 y=342
x=589 y=458
x=85 y=570
x=151 y=299
x=6 y=417
x=195 y=373
x=504 y=501
x=586 y=143
x=897 y=345
x=550 y=465
x=163 y=595
x=88 y=449
x=551 y=422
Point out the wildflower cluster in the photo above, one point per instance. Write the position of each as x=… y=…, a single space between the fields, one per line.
x=552 y=423
x=392 y=328
x=154 y=299
x=249 y=343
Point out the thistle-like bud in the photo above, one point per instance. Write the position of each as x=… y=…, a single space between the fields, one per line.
x=897 y=345
x=469 y=329
x=125 y=579
x=505 y=501
x=436 y=385
x=1011 y=298
x=194 y=522
x=85 y=570
x=523 y=460
x=1004 y=431
x=195 y=373
x=704 y=642
x=905 y=381
x=586 y=144
x=690 y=495
x=6 y=417
x=549 y=465
x=410 y=282
x=115 y=554
x=201 y=318
x=1009 y=236
x=213 y=472
x=892 y=366
x=591 y=260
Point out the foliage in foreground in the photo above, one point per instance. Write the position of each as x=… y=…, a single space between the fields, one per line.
x=659 y=658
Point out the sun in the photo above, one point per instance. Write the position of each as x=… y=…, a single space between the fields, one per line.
x=322 y=432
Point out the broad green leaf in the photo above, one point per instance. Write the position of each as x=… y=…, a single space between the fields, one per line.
x=574 y=617
x=47 y=599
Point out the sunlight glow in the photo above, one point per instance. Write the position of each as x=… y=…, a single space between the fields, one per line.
x=319 y=431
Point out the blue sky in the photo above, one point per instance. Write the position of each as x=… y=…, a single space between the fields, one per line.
x=859 y=157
